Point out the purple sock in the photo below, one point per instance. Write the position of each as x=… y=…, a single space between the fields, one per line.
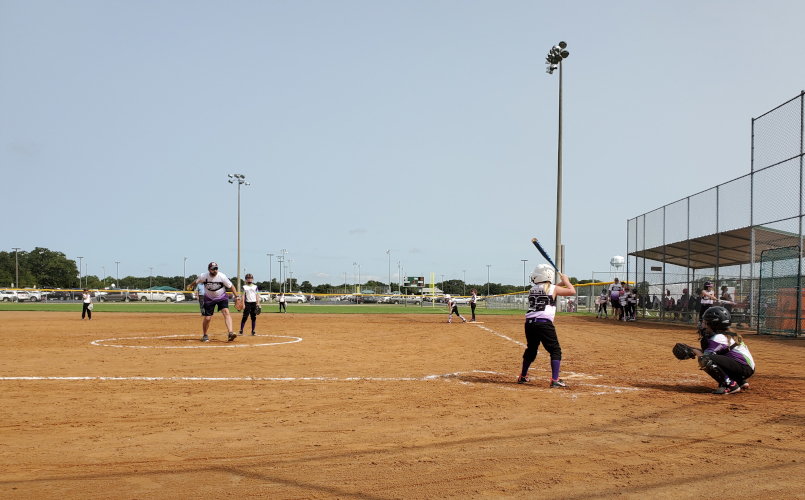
x=242 y=324
x=526 y=364
x=254 y=321
x=555 y=369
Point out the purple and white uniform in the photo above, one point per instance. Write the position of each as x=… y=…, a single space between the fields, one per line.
x=740 y=353
x=541 y=304
x=615 y=290
x=215 y=287
x=716 y=344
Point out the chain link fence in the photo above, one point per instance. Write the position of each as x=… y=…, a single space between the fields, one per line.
x=721 y=234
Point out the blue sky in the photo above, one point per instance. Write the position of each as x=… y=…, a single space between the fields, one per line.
x=427 y=128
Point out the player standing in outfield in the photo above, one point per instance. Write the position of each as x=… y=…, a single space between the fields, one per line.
x=615 y=290
x=215 y=285
x=87 y=297
x=473 y=298
x=539 y=321
x=602 y=301
x=453 y=306
x=706 y=299
x=251 y=303
x=723 y=354
x=281 y=301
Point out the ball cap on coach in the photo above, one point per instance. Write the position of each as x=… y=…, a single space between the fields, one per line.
x=212 y=264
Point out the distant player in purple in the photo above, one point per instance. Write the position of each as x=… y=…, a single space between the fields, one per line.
x=539 y=321
x=215 y=286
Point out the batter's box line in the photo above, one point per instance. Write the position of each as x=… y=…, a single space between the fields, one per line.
x=493 y=332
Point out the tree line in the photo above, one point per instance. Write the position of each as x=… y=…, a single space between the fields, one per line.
x=44 y=268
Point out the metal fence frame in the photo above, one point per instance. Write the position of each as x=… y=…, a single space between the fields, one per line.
x=740 y=219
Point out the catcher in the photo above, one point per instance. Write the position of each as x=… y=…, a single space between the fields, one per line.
x=723 y=354
x=215 y=286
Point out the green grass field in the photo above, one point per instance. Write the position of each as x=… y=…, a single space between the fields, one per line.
x=192 y=307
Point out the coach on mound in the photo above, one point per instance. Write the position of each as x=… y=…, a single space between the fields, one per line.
x=215 y=285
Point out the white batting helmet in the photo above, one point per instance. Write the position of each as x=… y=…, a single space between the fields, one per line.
x=542 y=272
x=447 y=295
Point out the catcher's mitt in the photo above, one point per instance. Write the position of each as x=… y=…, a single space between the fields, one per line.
x=239 y=303
x=258 y=310
x=683 y=351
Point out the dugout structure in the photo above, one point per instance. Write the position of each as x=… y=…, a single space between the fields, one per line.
x=745 y=234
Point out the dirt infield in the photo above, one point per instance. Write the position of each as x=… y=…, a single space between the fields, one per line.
x=383 y=407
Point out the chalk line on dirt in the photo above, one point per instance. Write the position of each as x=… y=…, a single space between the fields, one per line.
x=101 y=343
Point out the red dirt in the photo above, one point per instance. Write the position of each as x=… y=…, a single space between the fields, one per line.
x=357 y=417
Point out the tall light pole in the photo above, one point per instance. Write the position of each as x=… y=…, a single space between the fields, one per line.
x=104 y=274
x=354 y=282
x=345 y=282
x=241 y=180
x=270 y=265
x=389 y=254
x=150 y=283
x=284 y=253
x=117 y=275
x=487 y=279
x=554 y=60
x=17 y=266
x=443 y=283
x=80 y=276
x=465 y=282
x=86 y=275
x=184 y=275
x=290 y=273
x=524 y=261
x=399 y=278
x=359 y=278
x=280 y=258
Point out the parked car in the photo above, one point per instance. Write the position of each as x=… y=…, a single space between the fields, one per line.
x=367 y=297
x=8 y=296
x=297 y=298
x=159 y=296
x=118 y=296
x=21 y=295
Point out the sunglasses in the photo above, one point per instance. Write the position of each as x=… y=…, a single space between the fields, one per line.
x=213 y=269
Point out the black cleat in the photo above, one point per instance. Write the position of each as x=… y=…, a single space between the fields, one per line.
x=232 y=336
x=523 y=380
x=205 y=338
x=558 y=384
x=253 y=334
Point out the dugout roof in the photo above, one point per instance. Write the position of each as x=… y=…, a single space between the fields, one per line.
x=731 y=248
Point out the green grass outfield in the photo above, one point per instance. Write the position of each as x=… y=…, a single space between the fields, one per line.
x=140 y=307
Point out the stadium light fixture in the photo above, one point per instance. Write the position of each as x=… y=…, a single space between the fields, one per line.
x=241 y=181
x=554 y=61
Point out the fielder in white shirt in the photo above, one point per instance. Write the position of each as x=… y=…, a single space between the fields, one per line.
x=251 y=299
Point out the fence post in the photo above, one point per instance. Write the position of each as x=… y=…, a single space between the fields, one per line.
x=664 y=265
x=797 y=329
x=687 y=269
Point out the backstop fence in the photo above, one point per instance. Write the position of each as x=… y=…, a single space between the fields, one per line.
x=723 y=235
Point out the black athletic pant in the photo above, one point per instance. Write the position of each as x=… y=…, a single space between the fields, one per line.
x=539 y=332
x=250 y=309
x=602 y=308
x=726 y=366
x=472 y=306
x=282 y=307
x=86 y=311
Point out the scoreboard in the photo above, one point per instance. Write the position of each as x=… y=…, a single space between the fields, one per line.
x=414 y=281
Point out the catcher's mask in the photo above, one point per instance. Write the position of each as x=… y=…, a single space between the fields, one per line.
x=717 y=318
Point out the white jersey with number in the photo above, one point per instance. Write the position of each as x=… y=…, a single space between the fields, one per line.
x=215 y=287
x=615 y=290
x=250 y=293
x=541 y=303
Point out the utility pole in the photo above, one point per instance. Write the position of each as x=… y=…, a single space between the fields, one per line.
x=17 y=266
x=184 y=275
x=270 y=265
x=241 y=180
x=80 y=277
x=389 y=254
x=117 y=275
x=524 y=261
x=465 y=282
x=487 y=279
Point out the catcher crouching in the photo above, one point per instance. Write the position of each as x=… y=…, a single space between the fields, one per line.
x=723 y=354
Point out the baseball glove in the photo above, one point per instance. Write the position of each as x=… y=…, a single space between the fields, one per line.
x=258 y=310
x=683 y=351
x=239 y=303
